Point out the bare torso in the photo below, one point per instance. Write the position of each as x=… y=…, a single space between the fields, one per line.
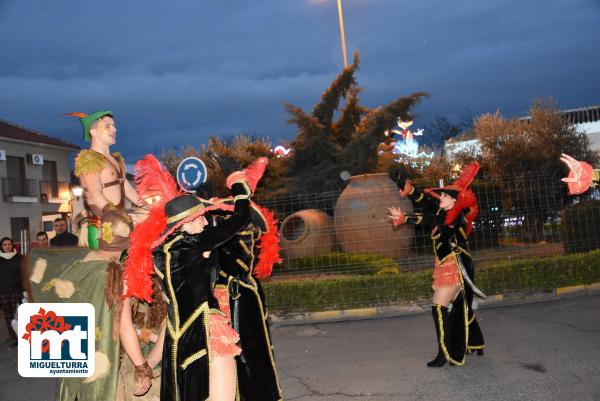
x=111 y=173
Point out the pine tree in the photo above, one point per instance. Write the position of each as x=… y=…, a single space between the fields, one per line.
x=325 y=147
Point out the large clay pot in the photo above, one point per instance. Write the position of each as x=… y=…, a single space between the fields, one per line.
x=308 y=232
x=361 y=217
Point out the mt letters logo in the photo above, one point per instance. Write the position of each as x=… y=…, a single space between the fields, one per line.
x=56 y=340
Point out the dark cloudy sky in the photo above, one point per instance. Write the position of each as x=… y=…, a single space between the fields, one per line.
x=176 y=72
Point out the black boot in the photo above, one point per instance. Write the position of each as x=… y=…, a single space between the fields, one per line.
x=440 y=321
x=476 y=342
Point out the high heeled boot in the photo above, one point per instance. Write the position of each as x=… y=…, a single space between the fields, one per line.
x=440 y=321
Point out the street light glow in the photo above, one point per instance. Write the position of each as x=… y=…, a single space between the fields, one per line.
x=342 y=35
x=77 y=191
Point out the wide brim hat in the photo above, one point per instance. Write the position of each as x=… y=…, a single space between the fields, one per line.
x=183 y=209
x=459 y=189
x=257 y=218
x=451 y=190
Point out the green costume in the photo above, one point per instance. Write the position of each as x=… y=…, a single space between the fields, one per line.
x=61 y=275
x=91 y=162
x=88 y=161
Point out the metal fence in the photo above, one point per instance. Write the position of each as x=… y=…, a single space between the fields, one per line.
x=340 y=250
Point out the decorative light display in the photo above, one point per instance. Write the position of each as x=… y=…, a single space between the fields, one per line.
x=281 y=151
x=404 y=146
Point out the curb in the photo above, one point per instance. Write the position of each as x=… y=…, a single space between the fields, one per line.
x=415 y=308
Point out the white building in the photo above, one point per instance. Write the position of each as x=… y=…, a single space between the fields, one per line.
x=35 y=174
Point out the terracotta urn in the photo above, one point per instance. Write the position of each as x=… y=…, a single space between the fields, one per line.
x=308 y=232
x=361 y=217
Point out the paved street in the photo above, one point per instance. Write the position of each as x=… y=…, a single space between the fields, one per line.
x=545 y=351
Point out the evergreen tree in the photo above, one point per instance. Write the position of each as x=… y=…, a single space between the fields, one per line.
x=325 y=147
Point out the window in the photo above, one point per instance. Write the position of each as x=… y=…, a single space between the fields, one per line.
x=14 y=183
x=49 y=184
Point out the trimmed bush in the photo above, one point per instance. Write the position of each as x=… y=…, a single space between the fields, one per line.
x=355 y=291
x=580 y=228
x=345 y=263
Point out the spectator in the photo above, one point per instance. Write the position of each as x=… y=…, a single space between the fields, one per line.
x=63 y=237
x=11 y=284
x=42 y=239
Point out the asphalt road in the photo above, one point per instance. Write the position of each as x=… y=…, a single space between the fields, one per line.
x=545 y=351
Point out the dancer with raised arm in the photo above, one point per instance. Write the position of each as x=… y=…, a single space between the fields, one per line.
x=450 y=210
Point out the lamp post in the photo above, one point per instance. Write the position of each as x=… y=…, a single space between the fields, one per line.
x=77 y=191
x=342 y=35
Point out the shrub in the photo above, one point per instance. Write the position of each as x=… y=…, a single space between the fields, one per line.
x=347 y=263
x=580 y=228
x=354 y=291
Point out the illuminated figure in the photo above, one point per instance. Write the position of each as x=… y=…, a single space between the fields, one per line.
x=281 y=151
x=404 y=143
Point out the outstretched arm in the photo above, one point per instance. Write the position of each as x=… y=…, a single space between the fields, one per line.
x=398 y=218
x=212 y=237
x=406 y=189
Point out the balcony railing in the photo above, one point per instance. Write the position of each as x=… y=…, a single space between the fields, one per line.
x=19 y=187
x=54 y=190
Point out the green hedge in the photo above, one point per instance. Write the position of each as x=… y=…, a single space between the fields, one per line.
x=346 y=263
x=356 y=291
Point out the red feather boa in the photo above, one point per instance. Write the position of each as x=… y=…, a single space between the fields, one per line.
x=269 y=246
x=139 y=265
x=155 y=183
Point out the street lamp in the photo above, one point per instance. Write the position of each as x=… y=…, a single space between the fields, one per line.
x=77 y=191
x=342 y=35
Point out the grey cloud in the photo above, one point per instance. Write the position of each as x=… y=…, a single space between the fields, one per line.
x=176 y=73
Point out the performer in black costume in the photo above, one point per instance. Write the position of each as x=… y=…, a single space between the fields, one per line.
x=451 y=211
x=194 y=261
x=200 y=344
x=238 y=280
x=242 y=260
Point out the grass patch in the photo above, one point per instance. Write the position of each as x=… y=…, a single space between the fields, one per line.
x=338 y=262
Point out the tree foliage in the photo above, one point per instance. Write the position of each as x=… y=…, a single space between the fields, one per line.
x=523 y=157
x=245 y=150
x=339 y=134
x=442 y=128
x=338 y=137
x=517 y=147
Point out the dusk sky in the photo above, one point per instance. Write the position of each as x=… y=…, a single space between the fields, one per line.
x=175 y=73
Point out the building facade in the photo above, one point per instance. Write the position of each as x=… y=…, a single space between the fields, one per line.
x=35 y=173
